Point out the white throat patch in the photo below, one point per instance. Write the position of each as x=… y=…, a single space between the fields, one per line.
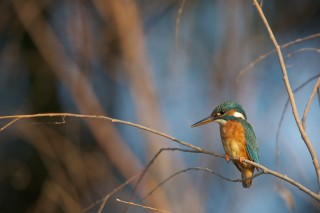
x=239 y=115
x=221 y=121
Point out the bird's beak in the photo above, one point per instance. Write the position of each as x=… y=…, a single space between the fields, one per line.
x=203 y=121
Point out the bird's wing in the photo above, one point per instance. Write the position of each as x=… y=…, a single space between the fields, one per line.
x=251 y=142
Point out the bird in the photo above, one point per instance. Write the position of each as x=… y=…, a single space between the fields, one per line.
x=237 y=136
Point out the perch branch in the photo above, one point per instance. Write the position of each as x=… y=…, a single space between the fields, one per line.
x=264 y=169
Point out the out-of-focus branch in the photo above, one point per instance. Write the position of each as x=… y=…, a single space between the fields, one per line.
x=263 y=56
x=139 y=71
x=178 y=21
x=306 y=110
x=52 y=51
x=290 y=93
x=303 y=50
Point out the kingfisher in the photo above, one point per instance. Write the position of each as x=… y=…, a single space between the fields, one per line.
x=237 y=136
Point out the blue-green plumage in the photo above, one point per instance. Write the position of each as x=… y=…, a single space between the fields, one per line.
x=237 y=136
x=227 y=106
x=251 y=141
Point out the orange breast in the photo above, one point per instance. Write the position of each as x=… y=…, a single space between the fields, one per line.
x=233 y=139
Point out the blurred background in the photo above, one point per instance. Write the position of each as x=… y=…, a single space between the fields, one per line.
x=121 y=58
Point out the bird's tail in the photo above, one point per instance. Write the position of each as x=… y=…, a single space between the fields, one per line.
x=247 y=173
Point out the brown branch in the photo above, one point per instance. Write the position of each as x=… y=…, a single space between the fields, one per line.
x=105 y=199
x=290 y=93
x=265 y=55
x=283 y=113
x=306 y=110
x=197 y=169
x=154 y=159
x=20 y=117
x=143 y=206
x=264 y=169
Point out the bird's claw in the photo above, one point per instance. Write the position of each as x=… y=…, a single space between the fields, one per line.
x=227 y=157
x=241 y=159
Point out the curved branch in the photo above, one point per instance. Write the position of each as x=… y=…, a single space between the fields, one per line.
x=306 y=110
x=283 y=112
x=303 y=50
x=197 y=169
x=115 y=190
x=266 y=55
x=265 y=170
x=20 y=117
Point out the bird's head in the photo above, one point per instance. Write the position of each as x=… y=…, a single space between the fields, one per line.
x=229 y=110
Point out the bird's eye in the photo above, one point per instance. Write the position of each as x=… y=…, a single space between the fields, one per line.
x=221 y=112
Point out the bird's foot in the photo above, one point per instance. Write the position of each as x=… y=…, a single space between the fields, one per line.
x=227 y=157
x=241 y=159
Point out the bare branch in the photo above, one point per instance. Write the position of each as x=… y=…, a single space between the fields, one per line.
x=143 y=206
x=151 y=162
x=303 y=50
x=263 y=56
x=115 y=190
x=306 y=110
x=290 y=93
x=283 y=112
x=285 y=178
x=109 y=119
x=197 y=169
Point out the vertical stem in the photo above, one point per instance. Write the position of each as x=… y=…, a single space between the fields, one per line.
x=290 y=93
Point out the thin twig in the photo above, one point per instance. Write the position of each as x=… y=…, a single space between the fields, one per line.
x=9 y=124
x=109 y=119
x=197 y=169
x=151 y=162
x=306 y=110
x=283 y=113
x=285 y=178
x=290 y=93
x=115 y=190
x=303 y=50
x=263 y=56
x=143 y=206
